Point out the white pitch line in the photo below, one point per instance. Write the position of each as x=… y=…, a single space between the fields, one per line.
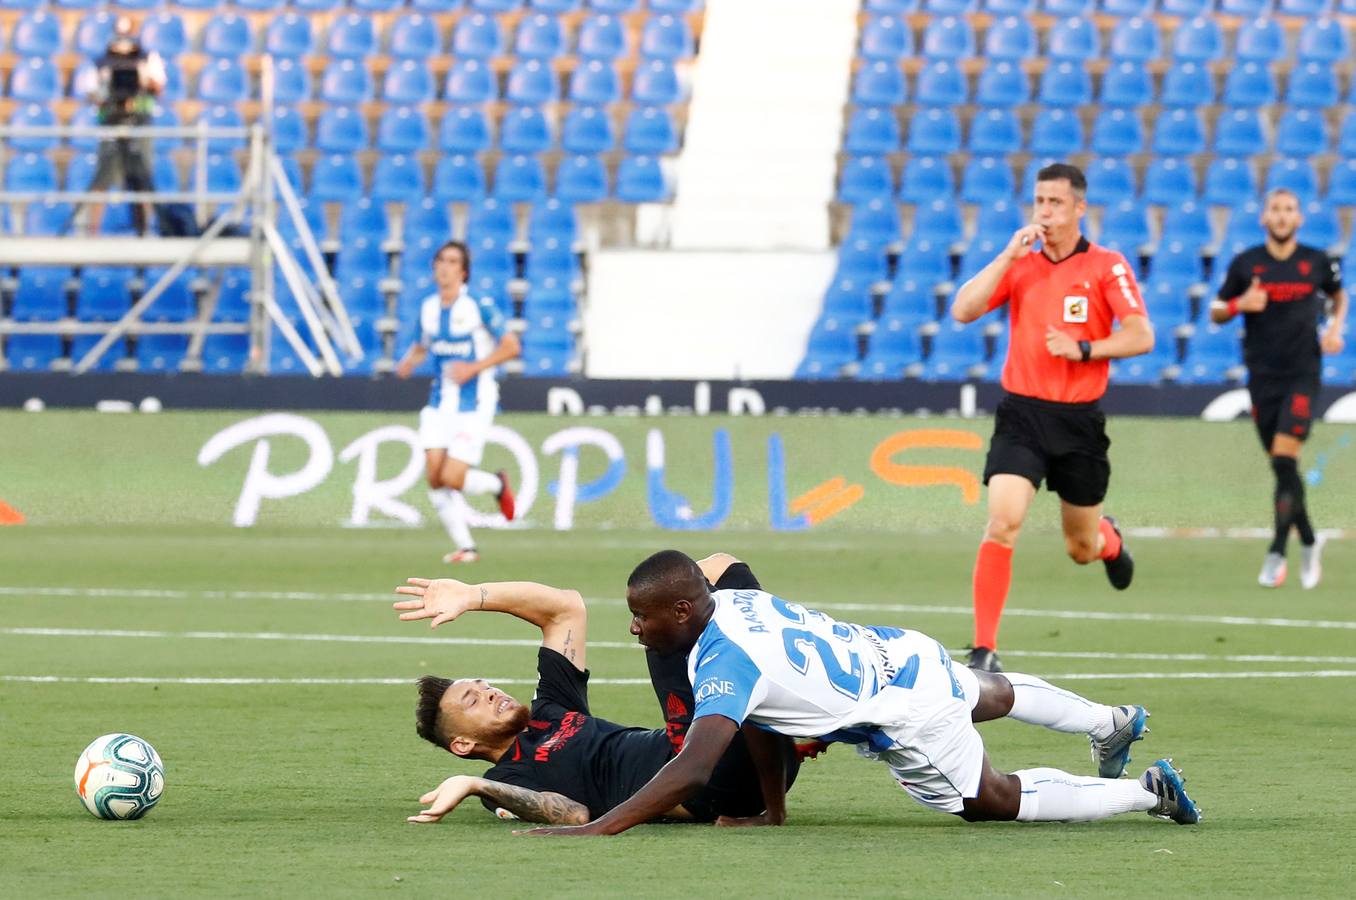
x=605 y=645
x=1075 y=676
x=875 y=608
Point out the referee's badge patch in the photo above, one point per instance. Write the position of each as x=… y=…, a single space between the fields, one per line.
x=1075 y=309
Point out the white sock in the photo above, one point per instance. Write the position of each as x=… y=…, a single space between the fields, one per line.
x=1049 y=795
x=1038 y=702
x=449 y=511
x=478 y=481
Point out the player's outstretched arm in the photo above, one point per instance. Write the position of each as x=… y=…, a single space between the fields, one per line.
x=529 y=805
x=560 y=614
x=680 y=778
x=768 y=752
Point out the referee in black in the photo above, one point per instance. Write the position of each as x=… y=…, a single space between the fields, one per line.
x=1283 y=289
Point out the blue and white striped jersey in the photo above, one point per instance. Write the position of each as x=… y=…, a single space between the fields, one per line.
x=466 y=331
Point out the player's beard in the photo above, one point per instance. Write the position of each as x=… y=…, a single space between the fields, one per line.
x=516 y=722
x=1281 y=238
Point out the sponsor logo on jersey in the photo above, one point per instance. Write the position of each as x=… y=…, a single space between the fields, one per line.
x=1075 y=309
x=569 y=727
x=451 y=348
x=714 y=687
x=1305 y=268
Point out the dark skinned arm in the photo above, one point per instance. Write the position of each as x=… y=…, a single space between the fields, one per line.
x=768 y=752
x=682 y=777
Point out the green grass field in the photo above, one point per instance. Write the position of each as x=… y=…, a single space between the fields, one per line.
x=278 y=786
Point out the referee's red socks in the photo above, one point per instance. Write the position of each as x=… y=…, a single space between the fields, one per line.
x=993 y=575
x=1111 y=541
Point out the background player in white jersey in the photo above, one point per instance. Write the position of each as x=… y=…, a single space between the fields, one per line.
x=467 y=340
x=756 y=658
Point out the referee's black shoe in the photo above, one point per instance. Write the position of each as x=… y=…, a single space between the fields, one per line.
x=1120 y=570
x=984 y=659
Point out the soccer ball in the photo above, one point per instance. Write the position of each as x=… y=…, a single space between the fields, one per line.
x=119 y=776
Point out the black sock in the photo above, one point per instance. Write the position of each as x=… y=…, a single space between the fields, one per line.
x=1289 y=501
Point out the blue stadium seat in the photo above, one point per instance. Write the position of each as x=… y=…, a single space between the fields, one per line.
x=874 y=223
x=436 y=6
x=993 y=132
x=581 y=179
x=1243 y=7
x=879 y=83
x=335 y=176
x=93 y=33
x=831 y=346
x=1110 y=180
x=1011 y=37
x=495 y=6
x=1056 y=132
x=428 y=217
x=360 y=257
x=288 y=35
x=35 y=79
x=532 y=82
x=162 y=32
x=650 y=129
x=352 y=36
x=1002 y=84
x=1135 y=39
x=1322 y=40
x=1295 y=175
x=1126 y=224
x=1065 y=84
x=340 y=129
x=1340 y=370
x=1187 y=85
x=1168 y=181
x=1149 y=367
x=672 y=6
x=225 y=354
x=223 y=173
x=1126 y=84
x=291 y=170
x=1301 y=133
x=1342 y=183
x=477 y=36
x=1249 y=85
x=414 y=36
x=41 y=294
x=1211 y=353
x=987 y=180
x=46 y=218
x=940 y=83
x=228 y=36
x=926 y=261
x=848 y=300
x=655 y=82
x=587 y=129
x=37 y=33
x=398 y=177
x=1261 y=40
x=402 y=129
x=926 y=179
x=934 y=132
x=408 y=81
x=666 y=37
x=886 y=39
x=1178 y=132
x=1305 y=8
x=1198 y=39
x=1029 y=173
x=520 y=178
x=223 y=81
x=909 y=299
x=1322 y=228
x=551 y=218
x=547 y=354
x=1185 y=8
x=347 y=82
x=363 y=299
x=464 y=129
x=551 y=258
x=103 y=295
x=1243 y=228
x=600 y=36
x=1312 y=85
x=1168 y=303
x=641 y=180
x=363 y=218
x=872 y=132
x=539 y=37
x=33 y=115
x=956 y=351
x=595 y=82
x=938 y=222
x=1187 y=223
x=524 y=130
x=30 y=172
x=492 y=258
x=80 y=171
x=470 y=81
x=1074 y=38
x=291 y=81
x=176 y=303
x=948 y=37
x=950 y=7
x=1068 y=7
x=1346 y=136
x=33 y=352
x=458 y=179
x=895 y=347
x=315 y=6
x=1117 y=132
x=977 y=255
x=1239 y=133
x=996 y=223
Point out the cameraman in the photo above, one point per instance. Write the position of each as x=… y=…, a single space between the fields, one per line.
x=129 y=80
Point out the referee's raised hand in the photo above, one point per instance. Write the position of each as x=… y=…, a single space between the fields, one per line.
x=1024 y=241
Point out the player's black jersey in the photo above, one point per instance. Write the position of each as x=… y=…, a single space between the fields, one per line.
x=566 y=750
x=1283 y=338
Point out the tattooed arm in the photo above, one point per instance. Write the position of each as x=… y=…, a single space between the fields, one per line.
x=530 y=806
x=560 y=614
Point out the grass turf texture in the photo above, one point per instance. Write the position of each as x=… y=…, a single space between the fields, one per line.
x=304 y=789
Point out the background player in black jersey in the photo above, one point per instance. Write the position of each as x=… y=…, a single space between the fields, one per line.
x=555 y=762
x=1280 y=287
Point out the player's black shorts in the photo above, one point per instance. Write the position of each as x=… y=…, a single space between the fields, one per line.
x=1281 y=405
x=1064 y=443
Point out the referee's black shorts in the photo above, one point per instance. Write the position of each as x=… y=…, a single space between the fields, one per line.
x=1064 y=443
x=1281 y=405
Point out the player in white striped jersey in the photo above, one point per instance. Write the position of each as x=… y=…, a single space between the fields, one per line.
x=467 y=340
x=755 y=659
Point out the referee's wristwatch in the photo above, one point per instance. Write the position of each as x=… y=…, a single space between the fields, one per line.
x=1085 y=347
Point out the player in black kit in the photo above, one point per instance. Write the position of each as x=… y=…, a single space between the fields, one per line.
x=555 y=762
x=1282 y=287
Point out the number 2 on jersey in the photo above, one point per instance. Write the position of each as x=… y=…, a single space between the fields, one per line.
x=845 y=681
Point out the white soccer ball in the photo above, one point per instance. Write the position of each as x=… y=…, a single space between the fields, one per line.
x=119 y=776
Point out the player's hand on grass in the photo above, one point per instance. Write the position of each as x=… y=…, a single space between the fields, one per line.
x=563 y=831
x=757 y=821
x=441 y=599
x=443 y=799
x=1254 y=299
x=1060 y=345
x=1332 y=341
x=1024 y=241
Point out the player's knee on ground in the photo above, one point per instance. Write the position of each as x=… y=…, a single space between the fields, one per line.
x=1081 y=549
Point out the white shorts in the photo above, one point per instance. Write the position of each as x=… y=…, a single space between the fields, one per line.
x=462 y=434
x=934 y=751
